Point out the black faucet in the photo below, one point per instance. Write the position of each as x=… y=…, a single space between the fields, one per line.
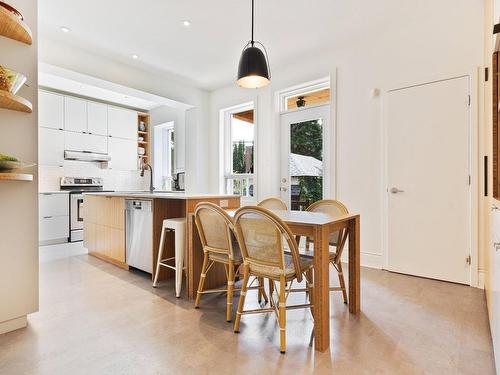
x=143 y=168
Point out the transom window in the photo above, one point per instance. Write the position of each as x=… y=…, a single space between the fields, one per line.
x=306 y=95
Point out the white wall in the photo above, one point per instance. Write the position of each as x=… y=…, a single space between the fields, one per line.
x=19 y=200
x=165 y=114
x=169 y=86
x=420 y=41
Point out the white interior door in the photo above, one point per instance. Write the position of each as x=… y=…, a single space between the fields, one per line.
x=495 y=283
x=428 y=180
x=305 y=156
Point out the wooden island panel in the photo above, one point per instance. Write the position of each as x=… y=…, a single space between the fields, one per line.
x=104 y=228
x=104 y=234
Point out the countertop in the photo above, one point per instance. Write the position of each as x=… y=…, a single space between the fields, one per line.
x=161 y=195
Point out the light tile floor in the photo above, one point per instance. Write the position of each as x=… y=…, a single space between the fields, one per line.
x=98 y=319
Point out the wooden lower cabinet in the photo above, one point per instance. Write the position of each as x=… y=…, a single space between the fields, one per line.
x=104 y=228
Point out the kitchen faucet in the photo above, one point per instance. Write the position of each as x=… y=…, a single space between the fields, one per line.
x=143 y=168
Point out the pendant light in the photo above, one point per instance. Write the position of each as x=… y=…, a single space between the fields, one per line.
x=253 y=69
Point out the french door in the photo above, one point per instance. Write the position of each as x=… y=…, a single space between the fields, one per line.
x=305 y=156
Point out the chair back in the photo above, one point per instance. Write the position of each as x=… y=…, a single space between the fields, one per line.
x=215 y=229
x=261 y=235
x=333 y=208
x=273 y=204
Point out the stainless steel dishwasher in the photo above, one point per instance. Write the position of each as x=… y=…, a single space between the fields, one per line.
x=139 y=234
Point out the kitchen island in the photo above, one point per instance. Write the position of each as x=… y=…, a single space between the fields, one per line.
x=105 y=230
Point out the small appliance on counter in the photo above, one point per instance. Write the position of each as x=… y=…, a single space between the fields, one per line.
x=76 y=187
x=179 y=182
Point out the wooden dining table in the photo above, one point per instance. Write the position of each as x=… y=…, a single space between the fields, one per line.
x=319 y=226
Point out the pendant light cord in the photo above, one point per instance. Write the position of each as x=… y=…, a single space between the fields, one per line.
x=252 y=20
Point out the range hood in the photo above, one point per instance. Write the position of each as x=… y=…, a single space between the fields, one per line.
x=85 y=156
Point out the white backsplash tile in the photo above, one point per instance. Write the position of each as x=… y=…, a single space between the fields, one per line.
x=49 y=177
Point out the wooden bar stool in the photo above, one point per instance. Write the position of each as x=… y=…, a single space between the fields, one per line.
x=178 y=227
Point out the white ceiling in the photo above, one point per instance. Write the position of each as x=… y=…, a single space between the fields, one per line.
x=56 y=78
x=207 y=52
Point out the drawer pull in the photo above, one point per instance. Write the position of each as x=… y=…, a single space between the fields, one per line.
x=47 y=217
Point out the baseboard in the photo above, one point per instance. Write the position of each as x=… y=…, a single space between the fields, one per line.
x=369 y=260
x=480 y=279
x=13 y=324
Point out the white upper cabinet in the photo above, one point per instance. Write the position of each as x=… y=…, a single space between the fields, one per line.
x=51 y=149
x=123 y=153
x=75 y=114
x=85 y=142
x=122 y=123
x=97 y=118
x=50 y=110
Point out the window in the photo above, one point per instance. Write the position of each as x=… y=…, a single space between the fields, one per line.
x=310 y=94
x=164 y=142
x=239 y=158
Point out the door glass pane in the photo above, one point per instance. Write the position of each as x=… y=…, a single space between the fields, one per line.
x=306 y=163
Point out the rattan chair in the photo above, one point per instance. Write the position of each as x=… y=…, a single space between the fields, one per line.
x=215 y=228
x=261 y=236
x=273 y=204
x=337 y=239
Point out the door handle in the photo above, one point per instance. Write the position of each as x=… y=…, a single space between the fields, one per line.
x=496 y=245
x=396 y=190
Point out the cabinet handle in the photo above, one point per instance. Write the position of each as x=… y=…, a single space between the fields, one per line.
x=47 y=193
x=47 y=217
x=496 y=245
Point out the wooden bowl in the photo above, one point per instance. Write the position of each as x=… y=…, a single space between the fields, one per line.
x=12 y=10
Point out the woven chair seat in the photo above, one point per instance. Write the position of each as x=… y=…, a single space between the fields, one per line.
x=224 y=258
x=275 y=272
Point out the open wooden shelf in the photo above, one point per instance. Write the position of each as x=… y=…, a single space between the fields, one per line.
x=15 y=176
x=14 y=102
x=145 y=134
x=14 y=28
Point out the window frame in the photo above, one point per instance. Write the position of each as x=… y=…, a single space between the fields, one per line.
x=227 y=151
x=304 y=88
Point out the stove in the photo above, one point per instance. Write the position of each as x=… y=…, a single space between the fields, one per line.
x=76 y=187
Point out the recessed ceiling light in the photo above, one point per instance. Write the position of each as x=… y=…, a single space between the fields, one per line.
x=186 y=23
x=135 y=57
x=65 y=29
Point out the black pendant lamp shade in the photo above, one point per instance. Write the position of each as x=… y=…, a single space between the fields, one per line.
x=253 y=69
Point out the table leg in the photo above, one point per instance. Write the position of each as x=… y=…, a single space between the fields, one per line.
x=321 y=289
x=354 y=265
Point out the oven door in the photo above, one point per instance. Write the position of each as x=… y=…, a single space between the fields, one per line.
x=76 y=212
